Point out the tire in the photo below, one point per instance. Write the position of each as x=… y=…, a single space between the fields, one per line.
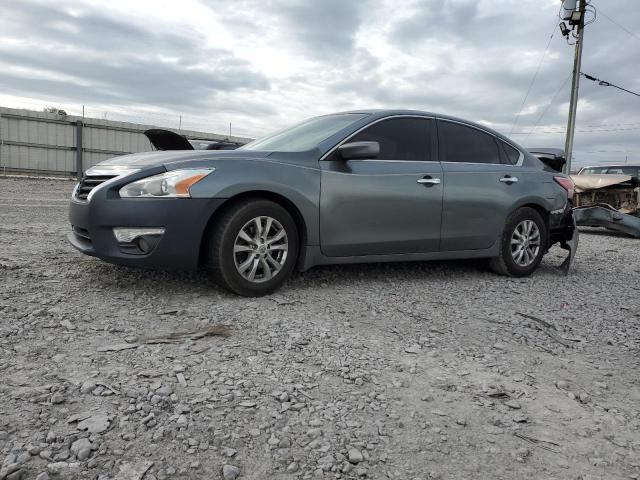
x=232 y=269
x=510 y=262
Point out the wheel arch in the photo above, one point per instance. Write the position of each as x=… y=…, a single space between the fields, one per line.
x=278 y=198
x=544 y=213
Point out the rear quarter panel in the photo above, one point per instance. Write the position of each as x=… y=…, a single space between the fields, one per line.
x=477 y=204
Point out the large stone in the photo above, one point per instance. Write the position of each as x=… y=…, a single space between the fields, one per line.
x=88 y=387
x=9 y=468
x=17 y=475
x=133 y=470
x=230 y=472
x=95 y=424
x=57 y=398
x=355 y=456
x=79 y=445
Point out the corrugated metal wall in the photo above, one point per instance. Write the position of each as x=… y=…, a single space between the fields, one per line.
x=45 y=143
x=36 y=141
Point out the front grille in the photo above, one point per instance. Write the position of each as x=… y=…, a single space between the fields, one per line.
x=88 y=183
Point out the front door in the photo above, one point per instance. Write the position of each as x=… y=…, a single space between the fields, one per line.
x=388 y=205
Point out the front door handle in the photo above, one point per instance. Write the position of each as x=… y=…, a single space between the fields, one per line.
x=427 y=181
x=508 y=179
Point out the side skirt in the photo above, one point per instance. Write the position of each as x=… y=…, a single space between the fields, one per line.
x=313 y=257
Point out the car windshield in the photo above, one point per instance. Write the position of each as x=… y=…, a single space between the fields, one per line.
x=304 y=136
x=631 y=171
x=594 y=171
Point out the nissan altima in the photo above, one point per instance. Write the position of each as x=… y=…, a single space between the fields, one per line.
x=363 y=186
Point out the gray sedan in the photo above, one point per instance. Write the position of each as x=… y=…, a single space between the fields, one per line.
x=364 y=186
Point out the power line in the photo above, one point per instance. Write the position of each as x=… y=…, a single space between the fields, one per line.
x=604 y=83
x=578 y=131
x=613 y=125
x=547 y=107
x=617 y=24
x=609 y=151
x=535 y=75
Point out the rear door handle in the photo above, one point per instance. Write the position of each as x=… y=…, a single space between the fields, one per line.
x=427 y=181
x=509 y=179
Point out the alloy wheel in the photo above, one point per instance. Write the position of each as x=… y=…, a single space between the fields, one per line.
x=260 y=249
x=525 y=243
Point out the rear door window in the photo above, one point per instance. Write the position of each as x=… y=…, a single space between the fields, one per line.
x=511 y=154
x=465 y=144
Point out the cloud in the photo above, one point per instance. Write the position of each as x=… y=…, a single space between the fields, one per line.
x=323 y=30
x=264 y=64
x=114 y=60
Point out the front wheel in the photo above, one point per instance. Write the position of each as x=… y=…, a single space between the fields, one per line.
x=253 y=247
x=523 y=244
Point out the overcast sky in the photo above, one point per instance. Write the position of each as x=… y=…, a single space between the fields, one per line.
x=263 y=64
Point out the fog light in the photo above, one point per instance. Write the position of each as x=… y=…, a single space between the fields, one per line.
x=128 y=235
x=143 y=245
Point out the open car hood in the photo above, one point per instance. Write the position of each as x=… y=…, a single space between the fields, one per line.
x=585 y=183
x=552 y=157
x=167 y=140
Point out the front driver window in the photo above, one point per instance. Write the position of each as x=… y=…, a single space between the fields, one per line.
x=399 y=138
x=459 y=143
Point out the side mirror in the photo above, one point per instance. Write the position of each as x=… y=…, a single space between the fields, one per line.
x=359 y=150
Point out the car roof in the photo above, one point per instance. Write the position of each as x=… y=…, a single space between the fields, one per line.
x=381 y=113
x=390 y=112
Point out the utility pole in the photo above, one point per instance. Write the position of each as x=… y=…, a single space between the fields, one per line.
x=573 y=105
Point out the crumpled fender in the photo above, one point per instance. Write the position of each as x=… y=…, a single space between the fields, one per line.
x=570 y=243
x=602 y=215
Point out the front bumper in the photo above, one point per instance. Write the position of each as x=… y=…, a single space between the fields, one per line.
x=603 y=215
x=184 y=219
x=566 y=233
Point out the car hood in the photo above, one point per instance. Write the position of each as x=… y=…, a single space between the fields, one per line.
x=552 y=157
x=142 y=160
x=167 y=140
x=584 y=183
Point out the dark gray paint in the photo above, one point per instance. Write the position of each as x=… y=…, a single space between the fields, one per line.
x=375 y=210
x=373 y=207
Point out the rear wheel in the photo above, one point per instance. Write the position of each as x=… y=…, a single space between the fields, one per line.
x=523 y=244
x=253 y=247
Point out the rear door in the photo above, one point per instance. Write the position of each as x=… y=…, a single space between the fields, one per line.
x=388 y=205
x=481 y=184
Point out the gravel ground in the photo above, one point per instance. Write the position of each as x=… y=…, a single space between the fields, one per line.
x=404 y=371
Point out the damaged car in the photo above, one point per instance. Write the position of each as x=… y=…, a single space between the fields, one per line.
x=605 y=195
x=352 y=187
x=608 y=196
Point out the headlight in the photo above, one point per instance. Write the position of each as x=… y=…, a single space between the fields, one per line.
x=173 y=184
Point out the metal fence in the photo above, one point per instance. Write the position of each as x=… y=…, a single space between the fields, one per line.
x=53 y=144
